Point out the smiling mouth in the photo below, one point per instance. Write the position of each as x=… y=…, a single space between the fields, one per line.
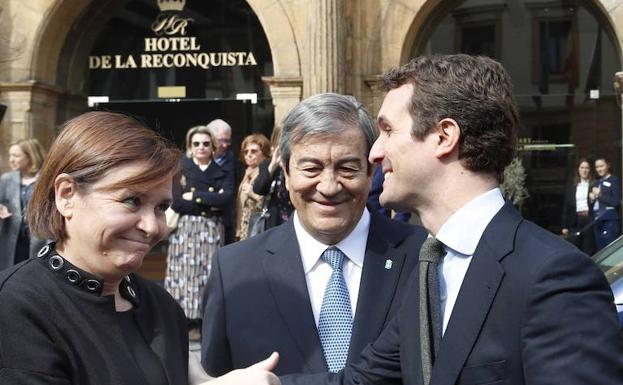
x=328 y=204
x=146 y=244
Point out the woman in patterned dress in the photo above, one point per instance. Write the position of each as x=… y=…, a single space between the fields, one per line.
x=200 y=192
x=253 y=150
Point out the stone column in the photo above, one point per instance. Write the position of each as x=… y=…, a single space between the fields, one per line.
x=286 y=93
x=324 y=65
x=31 y=109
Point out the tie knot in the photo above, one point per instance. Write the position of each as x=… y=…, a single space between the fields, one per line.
x=334 y=257
x=431 y=250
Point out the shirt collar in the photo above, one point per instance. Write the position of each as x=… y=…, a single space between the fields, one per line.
x=474 y=216
x=201 y=166
x=354 y=245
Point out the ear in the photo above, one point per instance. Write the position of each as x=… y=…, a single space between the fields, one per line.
x=64 y=194
x=447 y=134
x=286 y=175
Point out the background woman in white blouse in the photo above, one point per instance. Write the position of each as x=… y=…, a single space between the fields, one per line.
x=577 y=215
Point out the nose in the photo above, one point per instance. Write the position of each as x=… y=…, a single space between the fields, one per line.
x=329 y=184
x=149 y=224
x=377 y=152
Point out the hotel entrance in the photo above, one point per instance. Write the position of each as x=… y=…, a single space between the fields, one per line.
x=173 y=65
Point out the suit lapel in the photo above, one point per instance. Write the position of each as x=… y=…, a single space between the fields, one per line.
x=476 y=295
x=378 y=284
x=286 y=279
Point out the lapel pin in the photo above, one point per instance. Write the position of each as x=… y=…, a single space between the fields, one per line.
x=388 y=264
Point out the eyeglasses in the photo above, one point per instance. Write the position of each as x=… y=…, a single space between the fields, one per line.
x=205 y=144
x=250 y=151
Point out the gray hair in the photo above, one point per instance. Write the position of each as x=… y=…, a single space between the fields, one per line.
x=218 y=124
x=326 y=113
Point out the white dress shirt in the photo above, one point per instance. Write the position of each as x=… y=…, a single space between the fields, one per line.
x=460 y=235
x=318 y=272
x=581 y=194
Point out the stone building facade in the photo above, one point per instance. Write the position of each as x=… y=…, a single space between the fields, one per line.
x=322 y=45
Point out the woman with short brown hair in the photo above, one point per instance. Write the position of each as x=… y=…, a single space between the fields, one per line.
x=78 y=314
x=253 y=150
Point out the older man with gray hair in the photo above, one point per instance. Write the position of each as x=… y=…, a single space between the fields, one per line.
x=224 y=157
x=321 y=286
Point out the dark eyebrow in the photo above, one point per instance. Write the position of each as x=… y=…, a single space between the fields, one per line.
x=347 y=159
x=308 y=159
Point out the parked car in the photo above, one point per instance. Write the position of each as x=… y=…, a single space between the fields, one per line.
x=610 y=260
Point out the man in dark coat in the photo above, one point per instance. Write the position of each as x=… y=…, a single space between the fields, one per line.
x=274 y=291
x=517 y=305
x=224 y=157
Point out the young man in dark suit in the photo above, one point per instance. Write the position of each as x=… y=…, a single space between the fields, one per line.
x=517 y=304
x=284 y=289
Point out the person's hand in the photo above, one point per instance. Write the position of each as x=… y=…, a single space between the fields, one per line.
x=565 y=232
x=187 y=196
x=274 y=160
x=4 y=212
x=596 y=191
x=257 y=374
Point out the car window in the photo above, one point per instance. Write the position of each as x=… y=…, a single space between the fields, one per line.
x=610 y=261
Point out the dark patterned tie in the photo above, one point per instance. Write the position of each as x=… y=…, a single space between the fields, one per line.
x=336 y=318
x=430 y=304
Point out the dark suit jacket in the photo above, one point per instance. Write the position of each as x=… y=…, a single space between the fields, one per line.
x=229 y=167
x=531 y=310
x=55 y=333
x=258 y=302
x=609 y=196
x=213 y=189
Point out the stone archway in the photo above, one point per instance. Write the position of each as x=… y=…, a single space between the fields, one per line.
x=559 y=112
x=403 y=24
x=59 y=21
x=286 y=85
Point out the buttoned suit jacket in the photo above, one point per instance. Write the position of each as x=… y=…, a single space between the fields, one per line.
x=258 y=301
x=609 y=196
x=229 y=167
x=10 y=196
x=532 y=309
x=212 y=188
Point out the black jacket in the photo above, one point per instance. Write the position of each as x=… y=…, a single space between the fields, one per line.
x=258 y=302
x=213 y=189
x=532 y=310
x=279 y=205
x=53 y=332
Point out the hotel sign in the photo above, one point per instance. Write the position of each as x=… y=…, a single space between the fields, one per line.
x=170 y=47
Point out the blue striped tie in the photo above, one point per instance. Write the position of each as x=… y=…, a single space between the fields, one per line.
x=336 y=317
